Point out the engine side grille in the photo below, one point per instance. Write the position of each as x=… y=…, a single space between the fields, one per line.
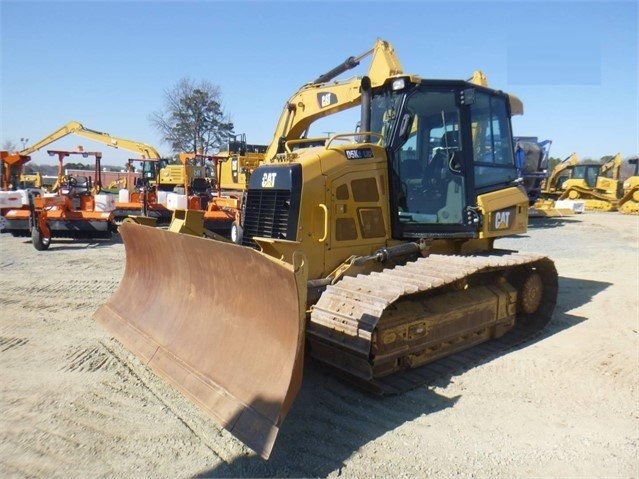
x=267 y=215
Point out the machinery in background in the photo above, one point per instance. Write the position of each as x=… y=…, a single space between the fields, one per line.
x=219 y=210
x=149 y=156
x=373 y=251
x=141 y=200
x=532 y=162
x=12 y=167
x=553 y=186
x=629 y=202
x=71 y=212
x=532 y=158
x=31 y=180
x=237 y=162
x=598 y=186
x=174 y=177
x=221 y=198
x=11 y=197
x=73 y=127
x=551 y=189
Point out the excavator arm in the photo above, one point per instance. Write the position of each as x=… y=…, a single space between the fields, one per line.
x=612 y=168
x=551 y=182
x=320 y=98
x=73 y=127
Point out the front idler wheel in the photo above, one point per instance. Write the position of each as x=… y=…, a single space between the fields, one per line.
x=531 y=293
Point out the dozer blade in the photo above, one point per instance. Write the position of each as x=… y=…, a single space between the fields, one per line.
x=222 y=323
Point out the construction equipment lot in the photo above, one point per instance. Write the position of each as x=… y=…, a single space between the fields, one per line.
x=76 y=403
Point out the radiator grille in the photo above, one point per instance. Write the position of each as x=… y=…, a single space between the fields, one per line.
x=267 y=215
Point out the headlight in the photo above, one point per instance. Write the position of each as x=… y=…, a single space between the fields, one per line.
x=398 y=84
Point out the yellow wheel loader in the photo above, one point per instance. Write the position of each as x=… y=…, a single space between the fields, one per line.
x=372 y=251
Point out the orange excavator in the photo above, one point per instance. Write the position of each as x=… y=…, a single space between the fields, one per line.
x=71 y=212
x=373 y=251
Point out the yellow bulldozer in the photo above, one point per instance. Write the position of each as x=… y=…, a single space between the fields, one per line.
x=629 y=202
x=598 y=186
x=552 y=187
x=372 y=251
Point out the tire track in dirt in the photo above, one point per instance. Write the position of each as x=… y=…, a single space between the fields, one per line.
x=91 y=359
x=116 y=413
x=46 y=298
x=561 y=406
x=330 y=421
x=9 y=343
x=85 y=288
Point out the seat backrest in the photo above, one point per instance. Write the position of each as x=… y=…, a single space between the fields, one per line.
x=199 y=185
x=411 y=169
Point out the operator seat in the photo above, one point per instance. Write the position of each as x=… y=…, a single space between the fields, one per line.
x=141 y=183
x=436 y=167
x=200 y=186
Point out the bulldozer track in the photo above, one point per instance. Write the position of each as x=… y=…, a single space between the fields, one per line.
x=456 y=363
x=355 y=304
x=591 y=196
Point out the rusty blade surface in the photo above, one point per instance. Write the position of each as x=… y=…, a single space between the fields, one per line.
x=221 y=322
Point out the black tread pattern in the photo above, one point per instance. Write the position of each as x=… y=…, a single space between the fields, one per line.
x=434 y=271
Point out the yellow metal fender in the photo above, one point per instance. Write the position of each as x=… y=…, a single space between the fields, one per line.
x=223 y=323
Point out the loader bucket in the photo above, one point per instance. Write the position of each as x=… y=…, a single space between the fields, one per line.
x=223 y=323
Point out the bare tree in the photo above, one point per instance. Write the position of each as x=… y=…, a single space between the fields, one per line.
x=192 y=119
x=9 y=145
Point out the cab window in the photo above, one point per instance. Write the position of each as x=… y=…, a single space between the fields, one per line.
x=431 y=185
x=493 y=157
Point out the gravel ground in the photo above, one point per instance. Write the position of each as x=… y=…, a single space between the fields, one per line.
x=75 y=403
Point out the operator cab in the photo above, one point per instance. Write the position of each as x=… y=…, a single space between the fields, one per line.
x=447 y=141
x=588 y=173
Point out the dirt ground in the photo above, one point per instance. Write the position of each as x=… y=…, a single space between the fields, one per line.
x=76 y=404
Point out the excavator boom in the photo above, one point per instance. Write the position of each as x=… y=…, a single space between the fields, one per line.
x=319 y=98
x=73 y=127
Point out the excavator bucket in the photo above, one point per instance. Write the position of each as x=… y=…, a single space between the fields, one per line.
x=222 y=323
